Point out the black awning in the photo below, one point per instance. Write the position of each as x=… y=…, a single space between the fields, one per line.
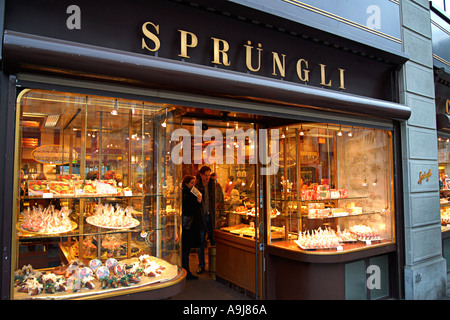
x=442 y=121
x=25 y=49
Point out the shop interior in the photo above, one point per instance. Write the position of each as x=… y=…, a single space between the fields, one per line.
x=444 y=180
x=99 y=184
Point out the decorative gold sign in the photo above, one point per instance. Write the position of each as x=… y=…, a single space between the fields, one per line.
x=425 y=175
x=54 y=154
x=188 y=41
x=447 y=106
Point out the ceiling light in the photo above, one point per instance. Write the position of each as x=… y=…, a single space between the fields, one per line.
x=115 y=109
x=52 y=120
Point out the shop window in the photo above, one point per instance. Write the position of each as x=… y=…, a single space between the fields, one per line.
x=98 y=206
x=332 y=190
x=444 y=181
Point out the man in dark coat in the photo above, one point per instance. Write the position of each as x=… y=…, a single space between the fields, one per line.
x=207 y=187
x=192 y=222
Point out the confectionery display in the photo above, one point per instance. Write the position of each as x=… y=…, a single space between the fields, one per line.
x=331 y=239
x=364 y=233
x=71 y=186
x=345 y=236
x=46 y=221
x=61 y=187
x=110 y=217
x=321 y=210
x=112 y=245
x=445 y=214
x=91 y=200
x=37 y=187
x=90 y=278
x=333 y=189
x=318 y=239
x=445 y=218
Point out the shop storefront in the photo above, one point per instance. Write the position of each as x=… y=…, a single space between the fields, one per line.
x=440 y=23
x=107 y=116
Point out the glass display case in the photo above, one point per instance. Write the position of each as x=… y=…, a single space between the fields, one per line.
x=333 y=190
x=98 y=206
x=444 y=181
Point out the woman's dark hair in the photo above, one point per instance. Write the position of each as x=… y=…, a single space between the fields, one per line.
x=187 y=179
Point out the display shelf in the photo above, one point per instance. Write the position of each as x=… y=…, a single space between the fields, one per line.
x=91 y=168
x=304 y=216
x=347 y=248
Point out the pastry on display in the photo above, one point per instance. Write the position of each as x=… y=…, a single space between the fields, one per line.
x=48 y=220
x=445 y=216
x=37 y=187
x=85 y=187
x=364 y=233
x=112 y=246
x=318 y=239
x=345 y=236
x=79 y=278
x=63 y=188
x=94 y=264
x=104 y=187
x=32 y=286
x=110 y=217
x=67 y=177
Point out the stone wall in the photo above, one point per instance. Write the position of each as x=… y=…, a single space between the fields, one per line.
x=425 y=269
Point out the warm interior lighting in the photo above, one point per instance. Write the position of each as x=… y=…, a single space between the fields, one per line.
x=114 y=111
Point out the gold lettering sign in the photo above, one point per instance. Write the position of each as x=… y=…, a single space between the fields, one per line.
x=447 y=106
x=425 y=175
x=221 y=56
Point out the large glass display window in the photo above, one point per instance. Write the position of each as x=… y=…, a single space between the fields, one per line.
x=333 y=189
x=444 y=181
x=98 y=206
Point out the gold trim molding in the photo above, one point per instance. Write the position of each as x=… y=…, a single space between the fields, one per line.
x=343 y=20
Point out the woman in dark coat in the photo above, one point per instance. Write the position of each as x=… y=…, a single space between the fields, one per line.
x=192 y=222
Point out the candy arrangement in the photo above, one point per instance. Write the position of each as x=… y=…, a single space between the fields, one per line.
x=318 y=239
x=48 y=220
x=77 y=276
x=364 y=233
x=106 y=216
x=329 y=239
